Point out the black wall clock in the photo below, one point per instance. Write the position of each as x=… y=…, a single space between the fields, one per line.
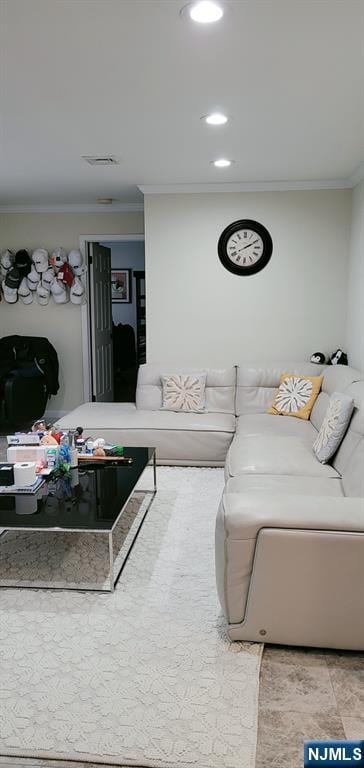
x=245 y=247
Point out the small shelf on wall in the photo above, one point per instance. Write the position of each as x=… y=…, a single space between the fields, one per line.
x=140 y=316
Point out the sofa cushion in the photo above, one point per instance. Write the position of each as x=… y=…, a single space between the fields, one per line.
x=274 y=456
x=219 y=392
x=333 y=427
x=177 y=437
x=125 y=416
x=337 y=378
x=284 y=485
x=184 y=392
x=295 y=395
x=257 y=384
x=260 y=424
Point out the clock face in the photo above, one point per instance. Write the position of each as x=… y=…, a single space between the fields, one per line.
x=245 y=247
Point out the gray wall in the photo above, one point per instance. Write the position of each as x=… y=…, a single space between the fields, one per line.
x=355 y=323
x=199 y=312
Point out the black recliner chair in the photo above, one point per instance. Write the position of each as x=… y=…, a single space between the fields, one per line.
x=28 y=377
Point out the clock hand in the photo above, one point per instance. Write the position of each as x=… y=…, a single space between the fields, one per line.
x=249 y=246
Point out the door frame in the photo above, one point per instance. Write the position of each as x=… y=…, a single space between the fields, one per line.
x=85 y=308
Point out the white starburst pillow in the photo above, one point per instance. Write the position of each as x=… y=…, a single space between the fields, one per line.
x=296 y=395
x=333 y=427
x=184 y=392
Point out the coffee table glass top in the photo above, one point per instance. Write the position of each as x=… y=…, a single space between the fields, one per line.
x=90 y=499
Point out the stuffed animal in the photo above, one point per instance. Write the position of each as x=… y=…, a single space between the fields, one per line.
x=318 y=357
x=338 y=358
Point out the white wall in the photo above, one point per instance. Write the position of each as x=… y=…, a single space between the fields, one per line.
x=199 y=312
x=61 y=324
x=126 y=255
x=355 y=323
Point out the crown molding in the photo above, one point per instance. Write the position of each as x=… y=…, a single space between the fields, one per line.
x=94 y=208
x=358 y=175
x=255 y=186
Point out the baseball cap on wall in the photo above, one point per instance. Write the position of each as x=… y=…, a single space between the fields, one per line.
x=10 y=294
x=23 y=262
x=24 y=293
x=6 y=261
x=66 y=275
x=58 y=257
x=43 y=295
x=33 y=279
x=76 y=262
x=48 y=277
x=40 y=259
x=59 y=293
x=78 y=295
x=13 y=278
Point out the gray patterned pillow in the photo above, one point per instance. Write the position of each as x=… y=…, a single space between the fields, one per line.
x=184 y=392
x=333 y=427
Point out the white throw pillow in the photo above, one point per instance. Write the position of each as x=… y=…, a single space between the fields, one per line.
x=333 y=427
x=184 y=392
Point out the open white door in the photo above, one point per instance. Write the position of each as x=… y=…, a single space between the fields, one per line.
x=102 y=378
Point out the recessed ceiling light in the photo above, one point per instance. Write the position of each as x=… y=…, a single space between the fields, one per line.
x=222 y=162
x=216 y=118
x=205 y=11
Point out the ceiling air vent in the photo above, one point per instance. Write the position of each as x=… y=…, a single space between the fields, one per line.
x=100 y=159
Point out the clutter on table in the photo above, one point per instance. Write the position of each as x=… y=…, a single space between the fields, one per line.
x=31 y=456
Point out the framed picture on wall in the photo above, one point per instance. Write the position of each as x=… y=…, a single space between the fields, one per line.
x=121 y=285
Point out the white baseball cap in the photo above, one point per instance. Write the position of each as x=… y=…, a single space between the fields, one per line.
x=59 y=257
x=59 y=293
x=43 y=295
x=10 y=294
x=33 y=279
x=76 y=262
x=78 y=295
x=24 y=292
x=40 y=259
x=6 y=259
x=48 y=277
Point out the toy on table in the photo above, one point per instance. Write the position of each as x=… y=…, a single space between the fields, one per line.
x=48 y=439
x=338 y=358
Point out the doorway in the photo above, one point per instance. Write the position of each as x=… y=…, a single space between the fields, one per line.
x=128 y=314
x=114 y=319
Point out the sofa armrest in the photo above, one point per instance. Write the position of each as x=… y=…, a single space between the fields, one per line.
x=245 y=515
x=240 y=519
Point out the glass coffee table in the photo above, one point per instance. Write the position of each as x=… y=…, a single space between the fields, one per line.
x=90 y=499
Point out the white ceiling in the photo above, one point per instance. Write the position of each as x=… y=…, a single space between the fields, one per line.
x=131 y=78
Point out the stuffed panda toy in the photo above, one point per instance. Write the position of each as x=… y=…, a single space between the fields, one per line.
x=318 y=357
x=338 y=358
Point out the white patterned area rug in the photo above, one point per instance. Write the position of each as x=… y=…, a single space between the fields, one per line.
x=144 y=676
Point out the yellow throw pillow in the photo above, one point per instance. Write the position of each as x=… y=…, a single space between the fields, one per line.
x=296 y=395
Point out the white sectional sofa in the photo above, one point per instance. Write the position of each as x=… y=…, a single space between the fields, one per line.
x=201 y=439
x=290 y=530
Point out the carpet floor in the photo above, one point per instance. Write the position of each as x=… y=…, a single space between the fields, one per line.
x=144 y=676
